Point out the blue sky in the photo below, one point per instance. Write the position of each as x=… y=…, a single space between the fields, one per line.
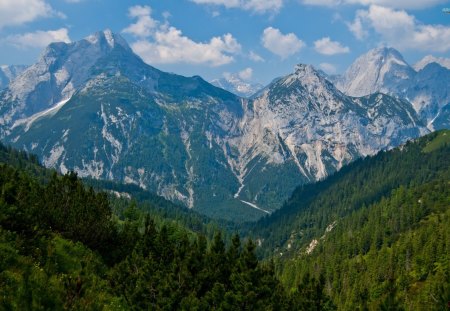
x=260 y=39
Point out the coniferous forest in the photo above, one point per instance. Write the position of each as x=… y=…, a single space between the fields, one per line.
x=374 y=236
x=63 y=248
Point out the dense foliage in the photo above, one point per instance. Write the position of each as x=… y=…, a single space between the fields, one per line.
x=394 y=253
x=374 y=236
x=314 y=207
x=162 y=210
x=377 y=232
x=61 y=247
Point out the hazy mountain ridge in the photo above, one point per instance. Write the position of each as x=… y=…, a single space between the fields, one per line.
x=234 y=84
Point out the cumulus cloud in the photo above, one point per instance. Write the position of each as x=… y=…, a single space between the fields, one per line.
x=357 y=27
x=258 y=6
x=39 y=39
x=159 y=43
x=18 y=12
x=327 y=47
x=255 y=57
x=144 y=25
x=246 y=74
x=280 y=44
x=400 y=29
x=328 y=68
x=397 y=4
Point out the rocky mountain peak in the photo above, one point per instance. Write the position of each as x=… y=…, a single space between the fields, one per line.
x=379 y=70
x=107 y=38
x=61 y=69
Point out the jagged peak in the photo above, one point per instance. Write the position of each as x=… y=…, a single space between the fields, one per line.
x=108 y=37
x=382 y=56
x=306 y=75
x=304 y=69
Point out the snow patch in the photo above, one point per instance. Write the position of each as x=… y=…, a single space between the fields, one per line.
x=49 y=112
x=255 y=206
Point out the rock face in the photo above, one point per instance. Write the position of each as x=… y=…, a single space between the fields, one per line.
x=95 y=107
x=384 y=70
x=237 y=86
x=380 y=70
x=301 y=128
x=9 y=73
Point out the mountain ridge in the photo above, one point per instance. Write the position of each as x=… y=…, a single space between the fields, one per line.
x=384 y=70
x=114 y=117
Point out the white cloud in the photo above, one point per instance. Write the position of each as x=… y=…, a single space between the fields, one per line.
x=280 y=44
x=258 y=6
x=163 y=44
x=246 y=74
x=144 y=24
x=328 y=68
x=357 y=27
x=327 y=47
x=18 y=12
x=401 y=30
x=39 y=39
x=255 y=57
x=400 y=4
x=396 y=4
x=322 y=2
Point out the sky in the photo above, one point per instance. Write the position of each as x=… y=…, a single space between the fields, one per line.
x=259 y=40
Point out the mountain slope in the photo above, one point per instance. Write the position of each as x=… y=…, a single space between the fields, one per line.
x=96 y=107
x=63 y=248
x=314 y=207
x=379 y=70
x=131 y=122
x=393 y=253
x=302 y=128
x=376 y=231
x=384 y=70
x=9 y=73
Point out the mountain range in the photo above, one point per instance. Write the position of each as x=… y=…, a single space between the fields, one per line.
x=95 y=107
x=384 y=70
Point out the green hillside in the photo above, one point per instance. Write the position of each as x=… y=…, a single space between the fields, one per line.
x=377 y=232
x=63 y=248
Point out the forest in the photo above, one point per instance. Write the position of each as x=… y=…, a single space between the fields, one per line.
x=373 y=236
x=62 y=247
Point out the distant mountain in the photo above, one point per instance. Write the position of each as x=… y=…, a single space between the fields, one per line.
x=9 y=73
x=236 y=85
x=444 y=62
x=302 y=128
x=96 y=107
x=384 y=70
x=379 y=70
